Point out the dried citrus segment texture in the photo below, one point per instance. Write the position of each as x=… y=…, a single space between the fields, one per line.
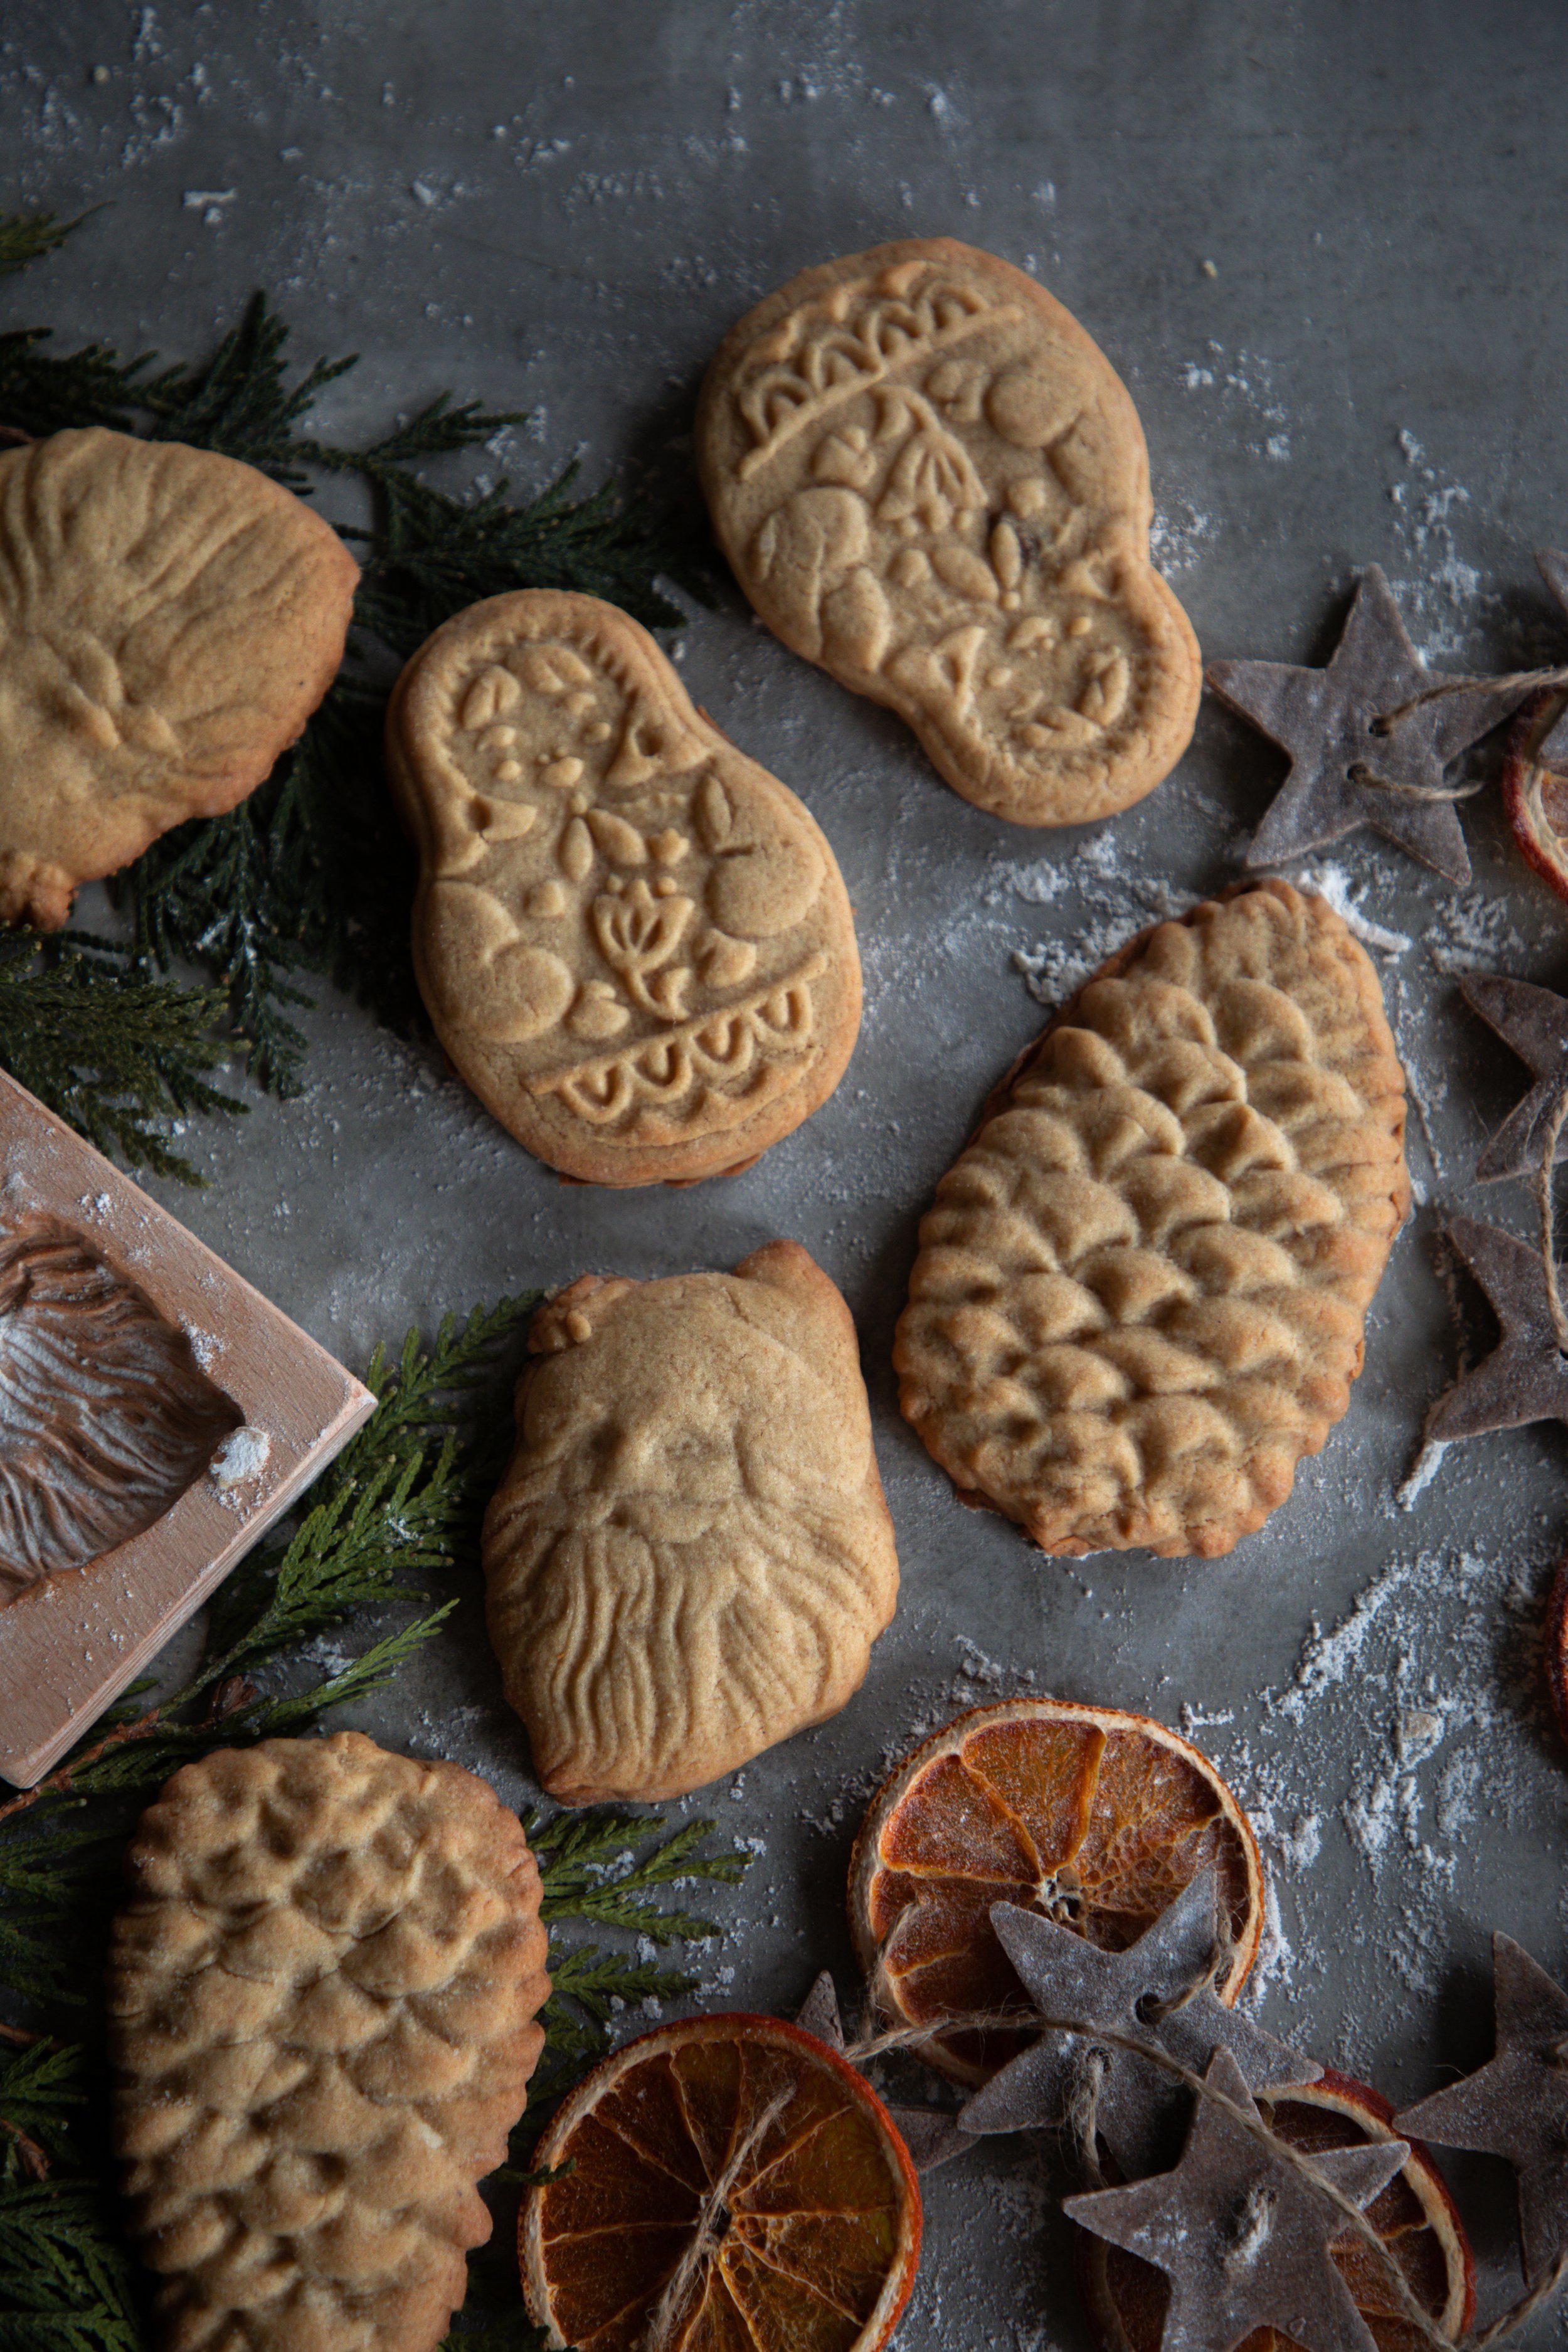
x=1535 y=787
x=735 y=2188
x=1124 y=2299
x=1095 y=1818
x=169 y=619
x=1142 y=1293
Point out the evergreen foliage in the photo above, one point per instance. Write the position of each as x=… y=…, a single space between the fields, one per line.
x=310 y=874
x=397 y=1511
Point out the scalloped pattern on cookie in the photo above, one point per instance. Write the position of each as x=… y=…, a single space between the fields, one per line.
x=1140 y=1295
x=930 y=480
x=689 y=1556
x=169 y=619
x=321 y=2003
x=634 y=943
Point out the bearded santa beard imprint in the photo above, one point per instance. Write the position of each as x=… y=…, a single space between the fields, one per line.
x=105 y=1417
x=689 y=1556
x=664 y=1645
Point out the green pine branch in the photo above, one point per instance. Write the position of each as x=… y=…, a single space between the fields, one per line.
x=310 y=876
x=29 y=236
x=109 y=1049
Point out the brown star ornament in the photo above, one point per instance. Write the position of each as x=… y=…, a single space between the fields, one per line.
x=1348 y=769
x=931 y=2134
x=1516 y=2105
x=1241 y=2232
x=1525 y=1378
x=1534 y=1024
x=1156 y=1992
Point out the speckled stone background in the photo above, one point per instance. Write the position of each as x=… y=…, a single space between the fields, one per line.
x=1324 y=246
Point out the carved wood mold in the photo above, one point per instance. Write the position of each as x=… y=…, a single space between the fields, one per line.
x=156 y=1416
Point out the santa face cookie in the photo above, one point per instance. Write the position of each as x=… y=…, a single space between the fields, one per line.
x=322 y=2001
x=689 y=1556
x=634 y=943
x=169 y=619
x=1140 y=1295
x=929 y=479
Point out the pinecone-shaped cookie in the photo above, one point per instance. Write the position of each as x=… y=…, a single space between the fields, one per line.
x=322 y=1999
x=1141 y=1292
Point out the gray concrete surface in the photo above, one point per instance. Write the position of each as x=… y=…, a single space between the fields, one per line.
x=561 y=208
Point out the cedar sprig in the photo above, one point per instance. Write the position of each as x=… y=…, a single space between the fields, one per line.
x=589 y=1871
x=107 y=1047
x=65 y=2282
x=29 y=236
x=385 y=1521
x=310 y=875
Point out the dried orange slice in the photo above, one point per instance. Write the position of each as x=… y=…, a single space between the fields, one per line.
x=734 y=2185
x=1096 y=1818
x=1535 y=792
x=1124 y=2299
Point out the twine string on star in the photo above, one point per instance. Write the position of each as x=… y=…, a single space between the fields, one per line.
x=910 y=2037
x=1387 y=720
x=1554 y=1132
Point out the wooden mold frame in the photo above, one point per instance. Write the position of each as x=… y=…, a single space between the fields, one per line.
x=72 y=1640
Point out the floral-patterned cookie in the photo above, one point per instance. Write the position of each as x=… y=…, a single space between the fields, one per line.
x=930 y=480
x=634 y=943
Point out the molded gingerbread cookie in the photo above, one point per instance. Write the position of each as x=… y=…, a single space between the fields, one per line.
x=634 y=943
x=169 y=619
x=323 y=2003
x=929 y=479
x=1140 y=1295
x=689 y=1556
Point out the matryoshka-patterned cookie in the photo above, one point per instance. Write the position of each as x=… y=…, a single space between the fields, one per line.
x=689 y=1556
x=169 y=619
x=1140 y=1295
x=930 y=480
x=634 y=943
x=322 y=1998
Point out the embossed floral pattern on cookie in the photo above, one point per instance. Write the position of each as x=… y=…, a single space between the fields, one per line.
x=635 y=944
x=930 y=480
x=1140 y=1295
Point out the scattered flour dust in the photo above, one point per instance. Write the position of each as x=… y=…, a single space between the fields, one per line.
x=1414 y=1716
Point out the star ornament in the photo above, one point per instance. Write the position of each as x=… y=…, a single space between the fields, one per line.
x=1138 y=1993
x=1534 y=1024
x=1346 y=770
x=1525 y=1378
x=1516 y=2105
x=1242 y=2233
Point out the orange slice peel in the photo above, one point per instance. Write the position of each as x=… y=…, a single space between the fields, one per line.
x=734 y=2184
x=1096 y=1818
x=1535 y=792
x=1124 y=2299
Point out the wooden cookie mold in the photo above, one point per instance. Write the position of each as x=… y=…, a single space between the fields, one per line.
x=156 y=1416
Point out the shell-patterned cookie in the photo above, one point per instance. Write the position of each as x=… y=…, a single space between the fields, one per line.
x=321 y=2000
x=930 y=480
x=689 y=1556
x=169 y=619
x=634 y=943
x=1140 y=1295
